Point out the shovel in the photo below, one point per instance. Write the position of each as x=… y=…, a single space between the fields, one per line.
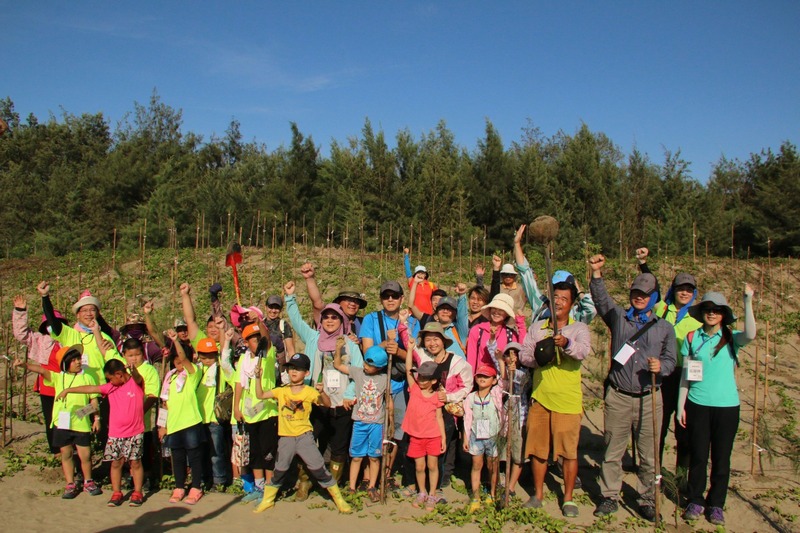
x=233 y=258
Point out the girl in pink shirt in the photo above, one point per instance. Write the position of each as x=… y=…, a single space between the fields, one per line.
x=425 y=426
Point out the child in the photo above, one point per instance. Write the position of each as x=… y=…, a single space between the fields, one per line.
x=259 y=417
x=482 y=424
x=71 y=417
x=425 y=426
x=183 y=432
x=296 y=435
x=125 y=393
x=216 y=464
x=369 y=412
x=133 y=352
x=516 y=415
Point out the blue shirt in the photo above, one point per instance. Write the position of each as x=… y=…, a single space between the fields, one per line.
x=370 y=329
x=718 y=387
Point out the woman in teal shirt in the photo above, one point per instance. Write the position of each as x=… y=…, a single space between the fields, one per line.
x=708 y=401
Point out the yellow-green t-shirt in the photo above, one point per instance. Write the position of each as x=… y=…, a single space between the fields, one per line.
x=253 y=408
x=294 y=410
x=152 y=387
x=557 y=386
x=688 y=323
x=206 y=393
x=93 y=359
x=182 y=408
x=201 y=334
x=73 y=402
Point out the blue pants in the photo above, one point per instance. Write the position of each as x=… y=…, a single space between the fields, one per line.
x=217 y=455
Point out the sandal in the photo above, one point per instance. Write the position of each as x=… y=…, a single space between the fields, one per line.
x=420 y=500
x=430 y=503
x=194 y=496
x=374 y=495
x=569 y=509
x=177 y=495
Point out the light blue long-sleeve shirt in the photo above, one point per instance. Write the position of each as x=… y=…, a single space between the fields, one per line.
x=583 y=311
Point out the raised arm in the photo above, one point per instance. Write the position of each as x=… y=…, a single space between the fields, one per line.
x=188 y=311
x=497 y=263
x=299 y=325
x=34 y=367
x=337 y=356
x=147 y=309
x=749 y=334
x=317 y=303
x=181 y=354
x=19 y=321
x=407 y=264
x=47 y=307
x=462 y=312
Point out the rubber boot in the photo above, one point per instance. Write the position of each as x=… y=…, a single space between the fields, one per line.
x=338 y=499
x=336 y=468
x=303 y=484
x=270 y=492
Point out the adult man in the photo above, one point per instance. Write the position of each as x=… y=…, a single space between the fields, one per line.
x=642 y=343
x=555 y=416
x=380 y=328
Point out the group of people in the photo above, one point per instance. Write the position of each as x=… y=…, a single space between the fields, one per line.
x=418 y=386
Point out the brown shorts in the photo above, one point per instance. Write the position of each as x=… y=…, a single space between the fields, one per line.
x=545 y=426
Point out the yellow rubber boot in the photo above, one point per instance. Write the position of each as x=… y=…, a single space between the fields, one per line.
x=336 y=469
x=338 y=499
x=303 y=484
x=268 y=500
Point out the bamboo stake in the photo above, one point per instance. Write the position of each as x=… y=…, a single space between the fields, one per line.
x=754 y=433
x=411 y=238
x=694 y=242
x=25 y=387
x=766 y=369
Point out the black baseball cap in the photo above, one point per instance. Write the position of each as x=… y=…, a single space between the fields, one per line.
x=299 y=361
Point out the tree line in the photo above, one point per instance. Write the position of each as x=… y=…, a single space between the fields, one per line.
x=72 y=181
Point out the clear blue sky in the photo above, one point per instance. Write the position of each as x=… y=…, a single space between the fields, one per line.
x=708 y=78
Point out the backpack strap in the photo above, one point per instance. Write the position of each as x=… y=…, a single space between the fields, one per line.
x=381 y=326
x=458 y=340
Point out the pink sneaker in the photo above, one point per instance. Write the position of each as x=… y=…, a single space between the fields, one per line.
x=420 y=500
x=177 y=495
x=194 y=496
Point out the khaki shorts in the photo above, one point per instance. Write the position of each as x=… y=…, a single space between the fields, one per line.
x=545 y=426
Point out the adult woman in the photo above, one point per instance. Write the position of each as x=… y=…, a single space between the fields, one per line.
x=453 y=374
x=504 y=326
x=708 y=404
x=320 y=344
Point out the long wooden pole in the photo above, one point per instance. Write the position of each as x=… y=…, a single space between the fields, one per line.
x=754 y=432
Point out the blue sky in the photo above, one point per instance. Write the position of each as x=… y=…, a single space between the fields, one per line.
x=708 y=78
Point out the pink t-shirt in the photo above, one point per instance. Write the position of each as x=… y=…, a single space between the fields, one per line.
x=126 y=403
x=420 y=419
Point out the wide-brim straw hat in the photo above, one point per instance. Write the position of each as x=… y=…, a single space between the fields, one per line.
x=503 y=302
x=713 y=299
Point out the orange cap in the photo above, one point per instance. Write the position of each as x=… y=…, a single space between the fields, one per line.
x=207 y=345
x=250 y=330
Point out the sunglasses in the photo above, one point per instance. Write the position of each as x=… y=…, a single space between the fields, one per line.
x=391 y=296
x=714 y=311
x=331 y=317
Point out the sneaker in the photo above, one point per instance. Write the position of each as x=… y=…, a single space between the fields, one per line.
x=406 y=492
x=137 y=498
x=715 y=516
x=92 y=488
x=116 y=499
x=254 y=496
x=430 y=503
x=569 y=509
x=439 y=496
x=474 y=505
x=70 y=492
x=420 y=500
x=693 y=512
x=489 y=500
x=374 y=495
x=606 y=506
x=533 y=503
x=648 y=512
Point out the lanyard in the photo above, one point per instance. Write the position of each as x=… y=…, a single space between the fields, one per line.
x=63 y=377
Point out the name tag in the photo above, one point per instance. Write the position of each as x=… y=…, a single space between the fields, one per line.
x=694 y=370
x=63 y=421
x=625 y=352
x=85 y=361
x=252 y=409
x=482 y=430
x=332 y=379
x=162 y=418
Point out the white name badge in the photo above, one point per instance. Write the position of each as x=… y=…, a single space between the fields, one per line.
x=252 y=409
x=624 y=353
x=162 y=418
x=63 y=421
x=694 y=370
x=483 y=431
x=332 y=379
x=85 y=361
x=85 y=411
